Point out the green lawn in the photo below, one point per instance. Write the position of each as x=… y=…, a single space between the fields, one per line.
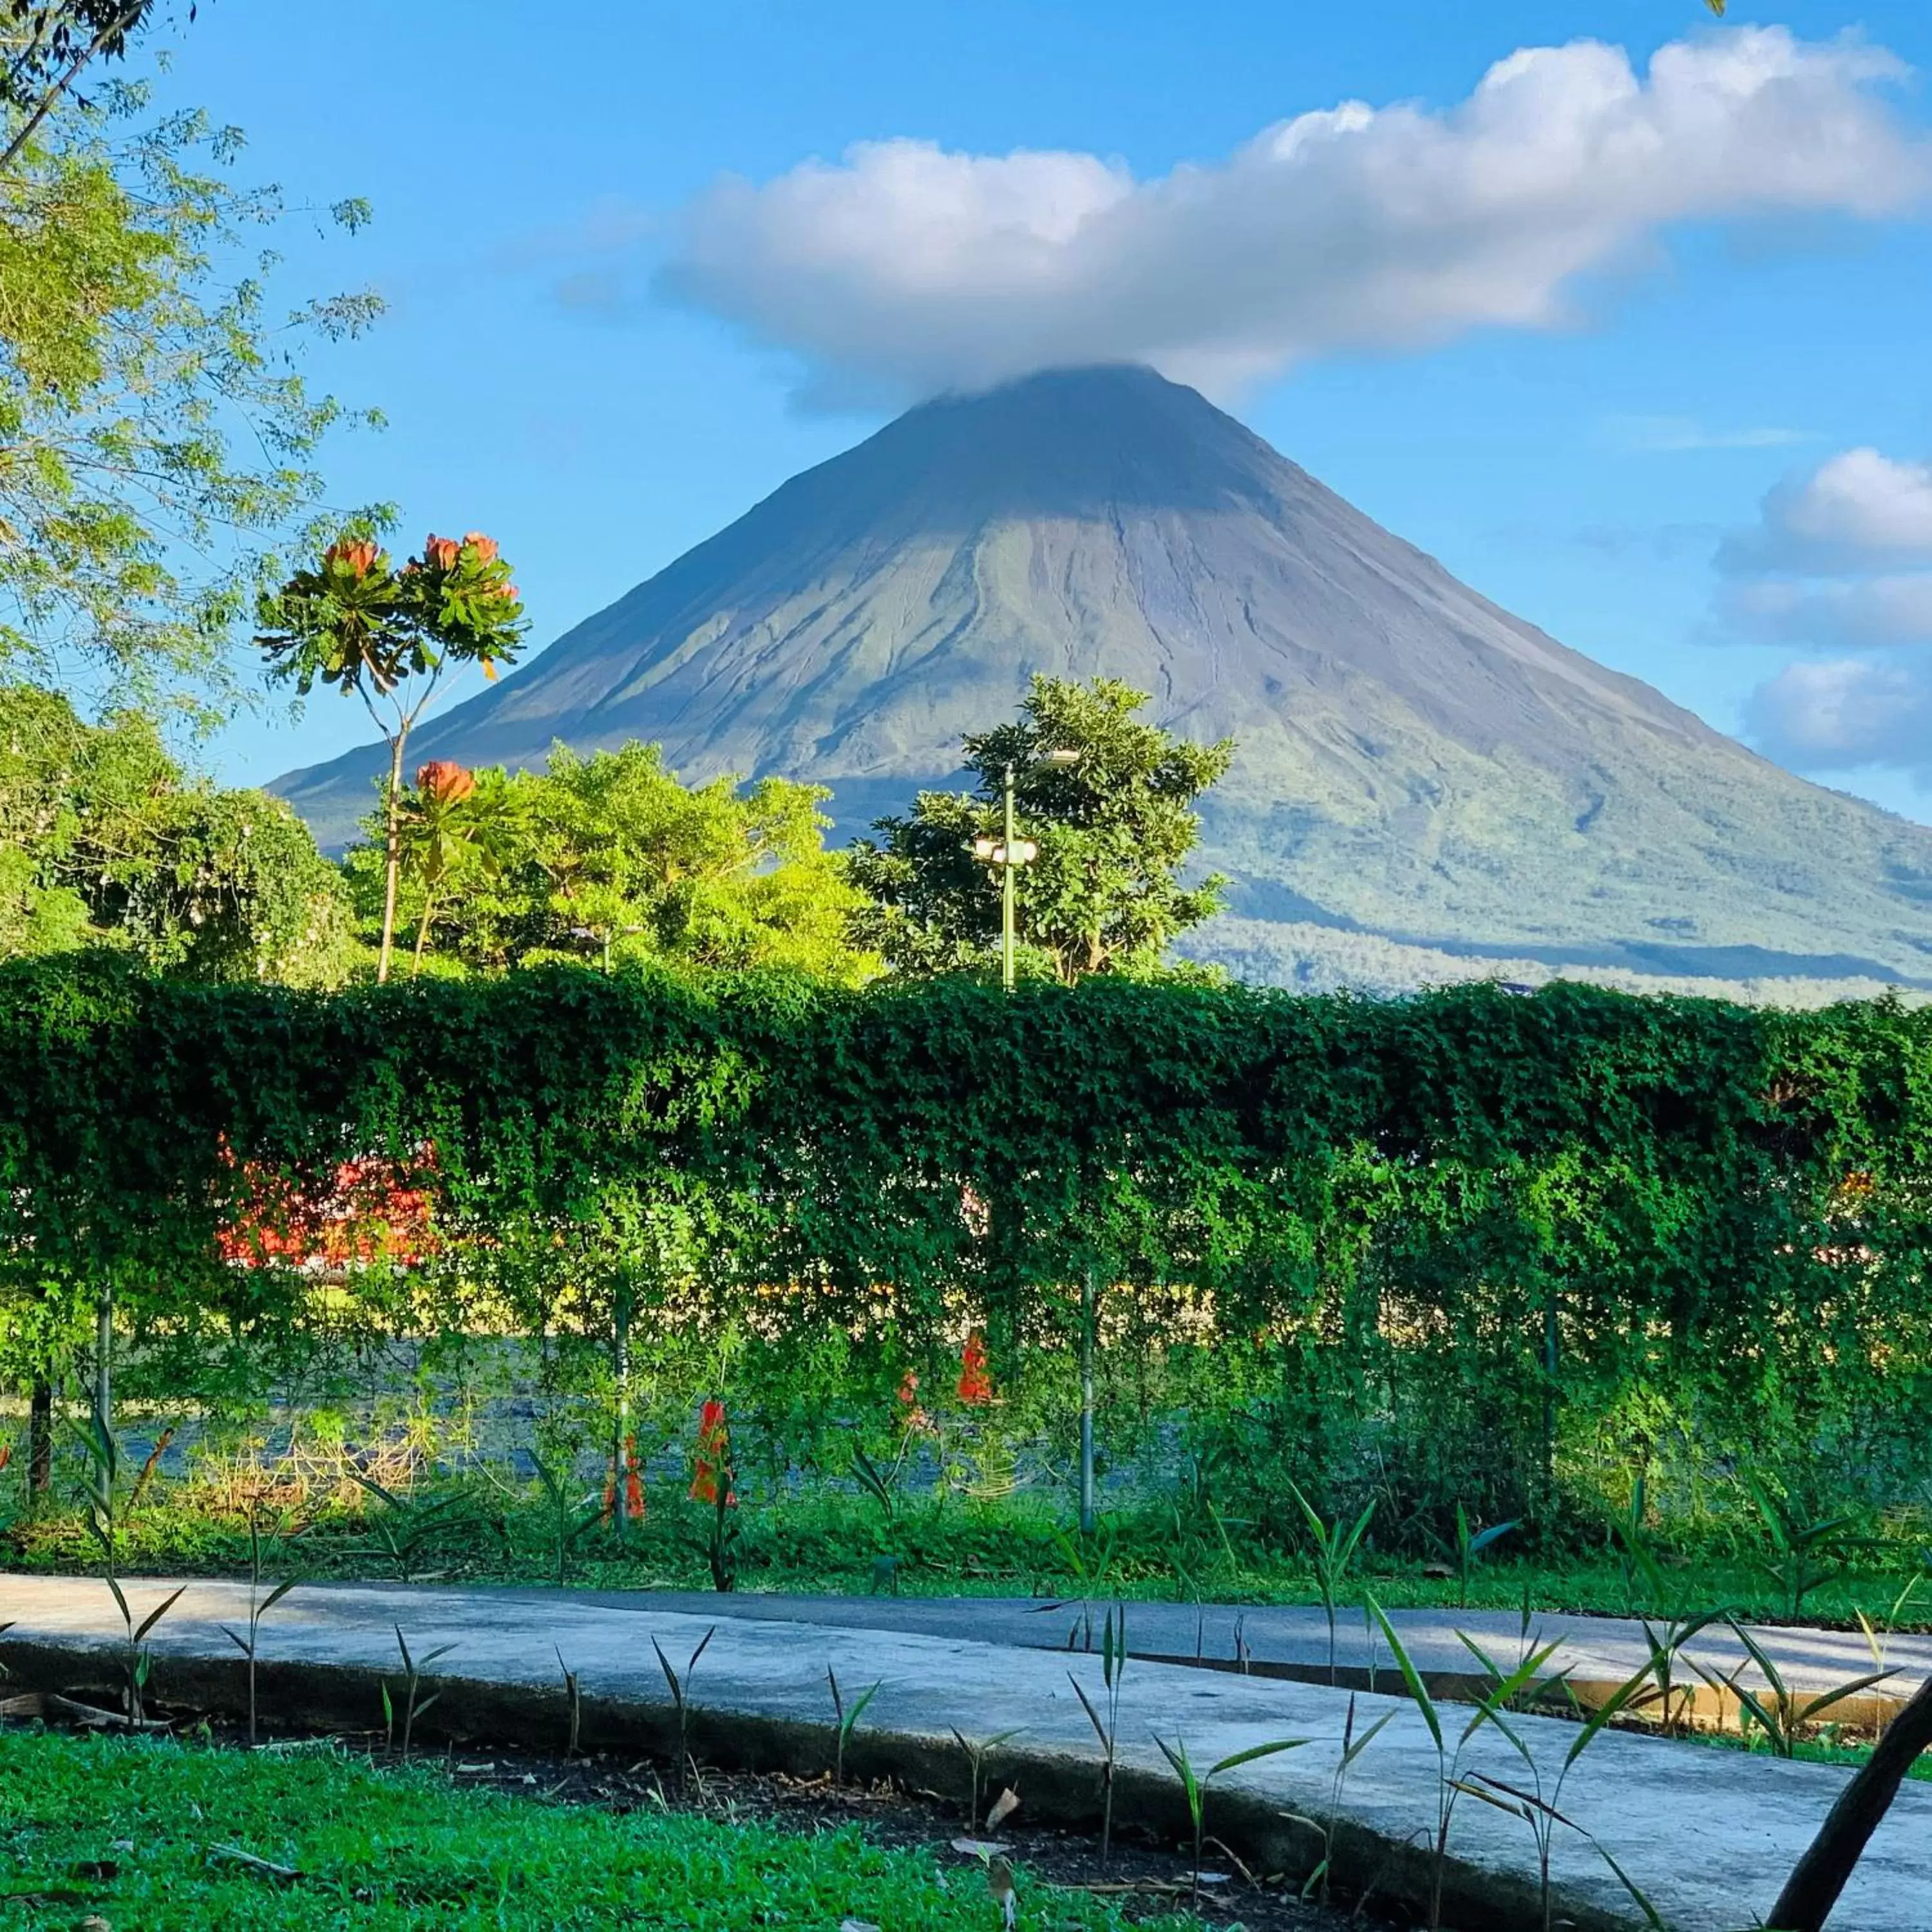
x=831 y=1544
x=123 y=1830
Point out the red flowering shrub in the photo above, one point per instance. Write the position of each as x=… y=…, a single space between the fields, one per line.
x=368 y=1211
x=713 y=1460
x=976 y=1384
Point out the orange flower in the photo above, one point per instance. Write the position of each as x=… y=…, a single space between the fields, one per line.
x=485 y=547
x=976 y=1385
x=444 y=780
x=6 y=1454
x=357 y=558
x=633 y=1488
x=441 y=552
x=714 y=1456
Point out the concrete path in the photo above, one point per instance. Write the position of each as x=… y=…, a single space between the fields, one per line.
x=1709 y=1834
x=1293 y=1640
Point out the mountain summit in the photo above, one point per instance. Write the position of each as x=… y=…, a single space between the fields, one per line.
x=1413 y=762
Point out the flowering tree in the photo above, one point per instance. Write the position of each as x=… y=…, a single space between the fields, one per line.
x=446 y=824
x=387 y=636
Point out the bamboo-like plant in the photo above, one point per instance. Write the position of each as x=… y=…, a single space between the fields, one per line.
x=569 y=1521
x=1526 y=1685
x=977 y=1753
x=414 y=1705
x=258 y=1607
x=1194 y=1785
x=406 y=1530
x=102 y=1487
x=1113 y=1672
x=1779 y=1712
x=1333 y=1549
x=1469 y=1548
x=573 y=1691
x=845 y=1721
x=680 y=1697
x=1449 y=1784
x=1806 y=1553
x=1318 y=1880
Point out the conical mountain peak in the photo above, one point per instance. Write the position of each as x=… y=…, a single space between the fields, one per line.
x=1414 y=761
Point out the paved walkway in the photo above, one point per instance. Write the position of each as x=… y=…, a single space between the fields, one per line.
x=1709 y=1834
x=1294 y=1640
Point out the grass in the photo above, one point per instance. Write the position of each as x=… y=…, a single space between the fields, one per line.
x=828 y=1543
x=124 y=1831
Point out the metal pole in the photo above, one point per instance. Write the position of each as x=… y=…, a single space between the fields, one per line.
x=619 y=1459
x=1007 y=894
x=1087 y=1404
x=1550 y=1370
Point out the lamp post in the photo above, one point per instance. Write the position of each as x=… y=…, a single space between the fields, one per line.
x=1010 y=852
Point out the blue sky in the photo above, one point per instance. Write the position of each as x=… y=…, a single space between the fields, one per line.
x=540 y=382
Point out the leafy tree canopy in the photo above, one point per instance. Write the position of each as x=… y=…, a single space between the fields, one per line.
x=102 y=841
x=611 y=857
x=1114 y=828
x=45 y=45
x=156 y=435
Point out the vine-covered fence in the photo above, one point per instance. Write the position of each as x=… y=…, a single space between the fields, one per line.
x=1471 y=1229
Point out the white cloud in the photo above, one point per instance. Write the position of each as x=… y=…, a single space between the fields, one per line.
x=1356 y=227
x=1874 y=611
x=1674 y=435
x=1831 y=565
x=1861 y=511
x=1841 y=715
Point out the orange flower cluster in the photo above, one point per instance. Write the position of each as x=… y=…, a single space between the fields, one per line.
x=976 y=1383
x=357 y=556
x=714 y=1456
x=634 y=1487
x=365 y=1214
x=445 y=780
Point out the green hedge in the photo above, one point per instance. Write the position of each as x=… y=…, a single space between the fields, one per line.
x=1668 y=1189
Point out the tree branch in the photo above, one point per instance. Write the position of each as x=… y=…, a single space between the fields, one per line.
x=121 y=23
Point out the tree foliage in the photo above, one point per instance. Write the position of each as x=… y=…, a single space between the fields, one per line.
x=351 y=619
x=1114 y=828
x=103 y=842
x=611 y=859
x=156 y=435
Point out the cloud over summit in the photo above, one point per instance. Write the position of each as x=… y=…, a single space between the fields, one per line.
x=908 y=265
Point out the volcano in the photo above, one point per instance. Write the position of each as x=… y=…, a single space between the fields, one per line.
x=1415 y=765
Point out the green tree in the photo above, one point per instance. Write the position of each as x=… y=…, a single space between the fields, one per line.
x=387 y=636
x=155 y=434
x=103 y=842
x=45 y=45
x=611 y=857
x=1114 y=828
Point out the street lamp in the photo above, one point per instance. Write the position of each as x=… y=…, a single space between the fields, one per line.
x=1009 y=853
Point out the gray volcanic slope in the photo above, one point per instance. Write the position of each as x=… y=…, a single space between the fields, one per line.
x=1414 y=761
